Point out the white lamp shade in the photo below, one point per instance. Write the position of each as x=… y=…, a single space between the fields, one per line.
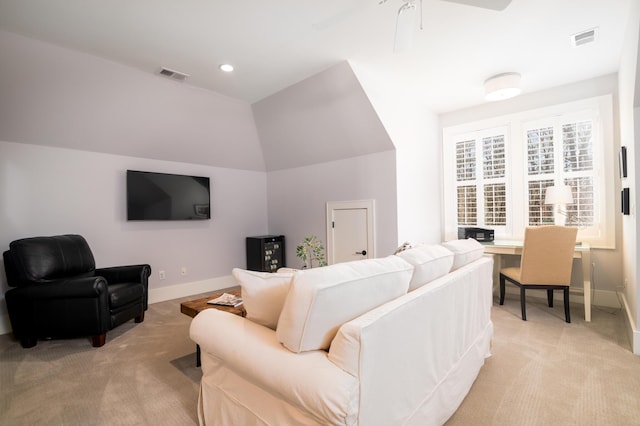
x=558 y=195
x=502 y=86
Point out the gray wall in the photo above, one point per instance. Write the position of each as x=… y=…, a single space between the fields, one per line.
x=64 y=118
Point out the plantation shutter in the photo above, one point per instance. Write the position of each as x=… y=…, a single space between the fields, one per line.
x=481 y=180
x=494 y=169
x=466 y=176
x=577 y=144
x=563 y=160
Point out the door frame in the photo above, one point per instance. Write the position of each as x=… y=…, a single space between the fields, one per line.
x=369 y=206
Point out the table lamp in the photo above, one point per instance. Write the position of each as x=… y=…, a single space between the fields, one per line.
x=559 y=196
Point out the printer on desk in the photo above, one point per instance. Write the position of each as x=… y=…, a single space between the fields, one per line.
x=479 y=234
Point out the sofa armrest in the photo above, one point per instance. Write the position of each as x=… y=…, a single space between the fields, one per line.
x=413 y=344
x=307 y=380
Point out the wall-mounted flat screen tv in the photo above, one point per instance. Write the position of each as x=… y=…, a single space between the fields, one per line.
x=163 y=196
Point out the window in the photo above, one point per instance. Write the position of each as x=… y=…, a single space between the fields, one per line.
x=503 y=167
x=560 y=153
x=480 y=179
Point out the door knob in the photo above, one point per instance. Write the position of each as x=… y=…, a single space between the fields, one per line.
x=363 y=252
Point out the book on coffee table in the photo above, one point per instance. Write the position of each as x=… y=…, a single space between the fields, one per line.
x=226 y=299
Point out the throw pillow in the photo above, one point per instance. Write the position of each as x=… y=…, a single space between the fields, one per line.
x=263 y=294
x=429 y=261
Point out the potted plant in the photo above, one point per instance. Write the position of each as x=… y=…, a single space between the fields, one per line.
x=311 y=250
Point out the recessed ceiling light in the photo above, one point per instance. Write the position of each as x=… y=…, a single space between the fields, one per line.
x=226 y=67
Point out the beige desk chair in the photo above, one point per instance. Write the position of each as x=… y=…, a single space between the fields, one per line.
x=547 y=259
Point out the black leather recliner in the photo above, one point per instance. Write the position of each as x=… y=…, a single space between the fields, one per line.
x=59 y=293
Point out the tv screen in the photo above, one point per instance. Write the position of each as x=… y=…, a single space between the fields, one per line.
x=163 y=196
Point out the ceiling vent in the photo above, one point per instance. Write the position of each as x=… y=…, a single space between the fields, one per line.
x=175 y=75
x=584 y=37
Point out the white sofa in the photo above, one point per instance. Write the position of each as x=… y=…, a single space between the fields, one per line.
x=392 y=341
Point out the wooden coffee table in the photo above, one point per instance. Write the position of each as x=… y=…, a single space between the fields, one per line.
x=194 y=307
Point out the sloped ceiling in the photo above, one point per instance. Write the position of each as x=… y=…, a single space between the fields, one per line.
x=59 y=97
x=274 y=44
x=324 y=118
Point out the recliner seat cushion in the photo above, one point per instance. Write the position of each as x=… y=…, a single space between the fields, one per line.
x=124 y=293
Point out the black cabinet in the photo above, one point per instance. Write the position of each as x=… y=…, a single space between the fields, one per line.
x=265 y=253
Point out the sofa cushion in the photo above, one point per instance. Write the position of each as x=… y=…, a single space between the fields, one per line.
x=464 y=251
x=429 y=262
x=263 y=294
x=320 y=300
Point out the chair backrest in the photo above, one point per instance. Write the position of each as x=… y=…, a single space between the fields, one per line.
x=43 y=259
x=547 y=255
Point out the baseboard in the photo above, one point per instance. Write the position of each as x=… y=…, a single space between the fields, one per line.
x=608 y=299
x=633 y=333
x=161 y=294
x=187 y=289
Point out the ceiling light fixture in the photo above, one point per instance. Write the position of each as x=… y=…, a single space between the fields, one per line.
x=502 y=86
x=226 y=67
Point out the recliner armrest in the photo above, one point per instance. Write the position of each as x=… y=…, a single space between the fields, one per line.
x=129 y=273
x=85 y=287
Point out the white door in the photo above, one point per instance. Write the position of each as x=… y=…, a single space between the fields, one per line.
x=349 y=231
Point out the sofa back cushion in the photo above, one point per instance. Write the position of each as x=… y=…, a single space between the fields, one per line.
x=263 y=294
x=429 y=262
x=464 y=251
x=43 y=259
x=320 y=300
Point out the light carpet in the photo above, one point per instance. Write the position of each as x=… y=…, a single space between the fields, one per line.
x=543 y=371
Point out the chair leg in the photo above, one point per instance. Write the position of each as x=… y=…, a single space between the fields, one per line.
x=140 y=318
x=99 y=340
x=550 y=297
x=28 y=341
x=522 y=300
x=502 y=289
x=567 y=314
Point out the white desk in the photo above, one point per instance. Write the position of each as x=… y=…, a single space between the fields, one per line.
x=582 y=252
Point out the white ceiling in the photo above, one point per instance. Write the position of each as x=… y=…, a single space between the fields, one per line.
x=276 y=43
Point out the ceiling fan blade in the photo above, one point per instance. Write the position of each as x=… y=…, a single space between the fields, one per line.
x=485 y=4
x=405 y=27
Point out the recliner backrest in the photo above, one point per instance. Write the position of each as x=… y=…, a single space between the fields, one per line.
x=43 y=259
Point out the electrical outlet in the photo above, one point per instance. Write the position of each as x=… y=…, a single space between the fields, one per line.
x=162 y=275
x=183 y=271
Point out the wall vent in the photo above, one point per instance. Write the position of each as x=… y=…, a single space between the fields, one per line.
x=175 y=75
x=584 y=37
